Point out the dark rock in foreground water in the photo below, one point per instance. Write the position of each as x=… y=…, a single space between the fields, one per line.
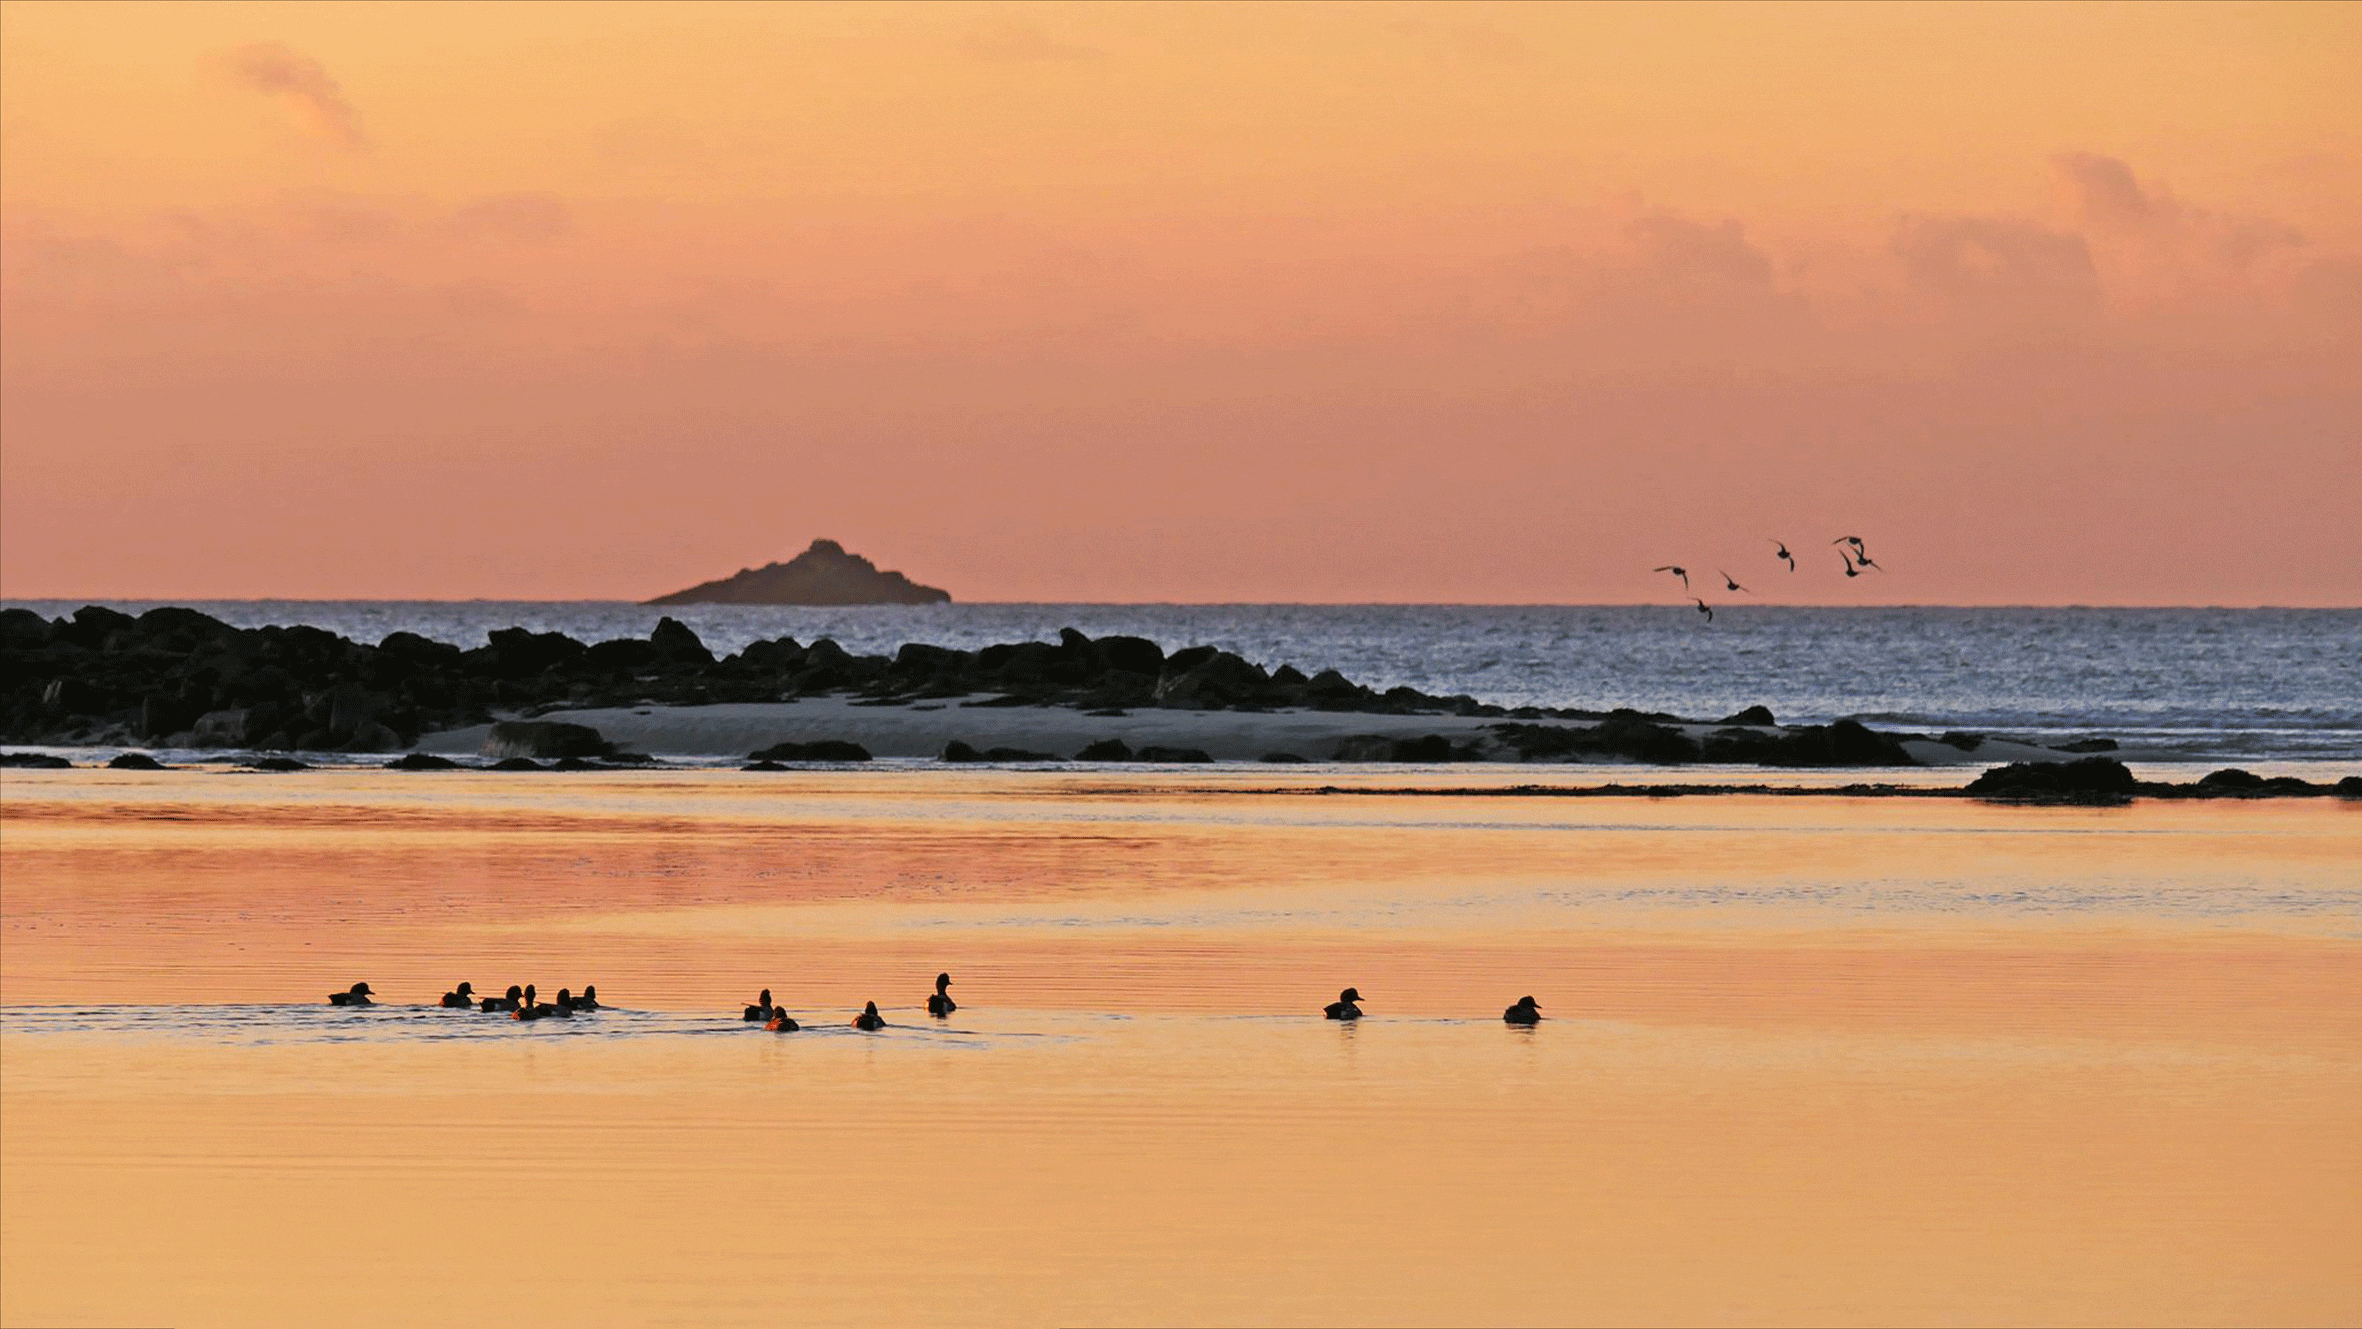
x=421 y=761
x=544 y=738
x=39 y=761
x=827 y=749
x=2101 y=777
x=136 y=761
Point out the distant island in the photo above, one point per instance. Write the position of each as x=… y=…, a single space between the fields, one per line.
x=822 y=575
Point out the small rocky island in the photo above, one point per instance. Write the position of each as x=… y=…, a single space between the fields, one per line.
x=824 y=574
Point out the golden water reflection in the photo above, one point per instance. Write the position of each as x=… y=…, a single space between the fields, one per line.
x=1807 y=1060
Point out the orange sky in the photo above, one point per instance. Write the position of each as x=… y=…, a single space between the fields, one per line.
x=1202 y=302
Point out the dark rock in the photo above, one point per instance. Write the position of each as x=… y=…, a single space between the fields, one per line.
x=955 y=750
x=762 y=766
x=516 y=653
x=1753 y=715
x=630 y=759
x=276 y=764
x=1109 y=712
x=2232 y=778
x=1283 y=759
x=1378 y=747
x=1106 y=749
x=39 y=761
x=2086 y=745
x=1962 y=739
x=516 y=764
x=1133 y=655
x=2103 y=777
x=220 y=729
x=1209 y=682
x=421 y=761
x=676 y=643
x=1155 y=753
x=826 y=749
x=412 y=649
x=373 y=737
x=136 y=761
x=575 y=764
x=823 y=574
x=543 y=738
x=2350 y=787
x=23 y=630
x=622 y=654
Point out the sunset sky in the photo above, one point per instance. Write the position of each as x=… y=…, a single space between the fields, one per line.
x=1190 y=302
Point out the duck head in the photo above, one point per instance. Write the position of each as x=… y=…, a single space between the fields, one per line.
x=361 y=990
x=590 y=992
x=1350 y=995
x=515 y=993
x=466 y=990
x=942 y=981
x=764 y=999
x=1528 y=1003
x=870 y=1009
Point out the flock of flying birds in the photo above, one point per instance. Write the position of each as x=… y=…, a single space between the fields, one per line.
x=1850 y=551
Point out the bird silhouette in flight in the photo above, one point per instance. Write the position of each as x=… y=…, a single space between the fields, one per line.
x=1785 y=554
x=1850 y=569
x=1704 y=608
x=1854 y=540
x=1862 y=557
x=1732 y=582
x=1680 y=572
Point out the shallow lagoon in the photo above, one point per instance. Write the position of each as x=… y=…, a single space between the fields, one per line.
x=1807 y=1059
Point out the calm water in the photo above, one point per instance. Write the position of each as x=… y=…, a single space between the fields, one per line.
x=2223 y=684
x=1804 y=1061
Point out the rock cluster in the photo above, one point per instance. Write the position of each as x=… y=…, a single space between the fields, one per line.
x=178 y=678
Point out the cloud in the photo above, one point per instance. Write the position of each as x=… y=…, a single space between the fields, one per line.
x=2105 y=192
x=1022 y=43
x=2001 y=263
x=1691 y=250
x=302 y=83
x=531 y=218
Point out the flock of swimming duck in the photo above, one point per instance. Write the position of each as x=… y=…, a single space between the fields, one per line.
x=523 y=1003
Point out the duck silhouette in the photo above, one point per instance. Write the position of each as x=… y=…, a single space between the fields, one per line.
x=869 y=1018
x=760 y=1011
x=781 y=1023
x=941 y=1004
x=1345 y=1007
x=356 y=995
x=589 y=1000
x=528 y=1008
x=461 y=998
x=1783 y=546
x=496 y=1005
x=1678 y=571
x=563 y=1006
x=1524 y=1012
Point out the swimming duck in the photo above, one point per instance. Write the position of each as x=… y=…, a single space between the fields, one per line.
x=508 y=1003
x=528 y=1008
x=461 y=998
x=782 y=1023
x=563 y=1006
x=1524 y=1012
x=589 y=1000
x=1344 y=1007
x=356 y=995
x=869 y=1018
x=941 y=1003
x=761 y=1010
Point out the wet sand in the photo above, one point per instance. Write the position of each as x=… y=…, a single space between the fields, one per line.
x=1806 y=1061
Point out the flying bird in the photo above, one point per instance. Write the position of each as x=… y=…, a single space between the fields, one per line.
x=1680 y=572
x=1862 y=556
x=1854 y=540
x=1785 y=554
x=1704 y=608
x=1850 y=569
x=1732 y=582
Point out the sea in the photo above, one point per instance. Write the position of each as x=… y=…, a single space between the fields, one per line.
x=2258 y=685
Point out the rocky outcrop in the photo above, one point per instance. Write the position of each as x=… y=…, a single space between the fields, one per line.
x=175 y=678
x=826 y=749
x=824 y=574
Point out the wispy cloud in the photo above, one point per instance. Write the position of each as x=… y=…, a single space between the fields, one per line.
x=304 y=84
